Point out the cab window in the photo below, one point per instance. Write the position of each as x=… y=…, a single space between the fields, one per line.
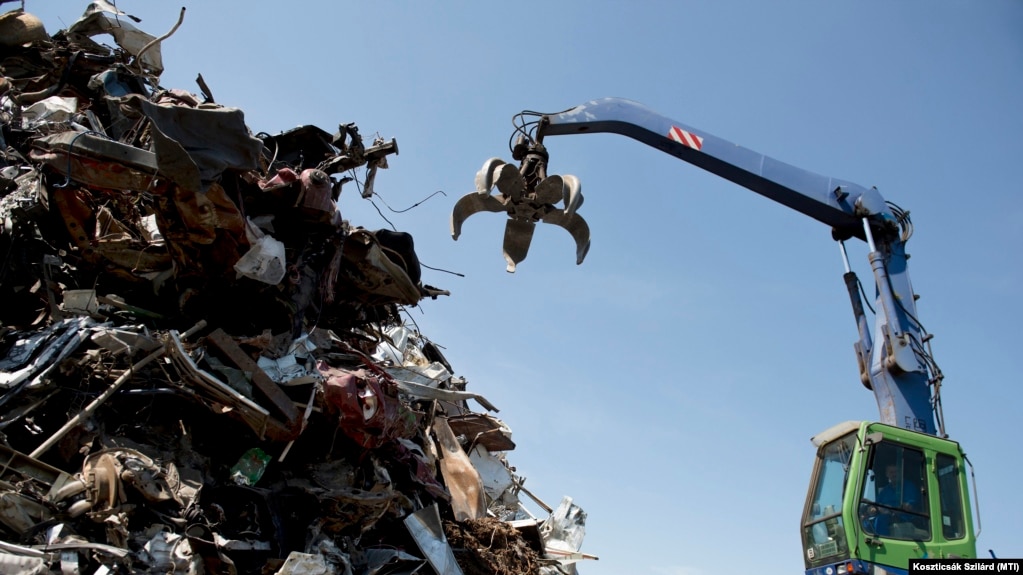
x=823 y=529
x=893 y=503
x=950 y=495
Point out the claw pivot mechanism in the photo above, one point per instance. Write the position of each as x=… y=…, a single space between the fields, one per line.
x=526 y=193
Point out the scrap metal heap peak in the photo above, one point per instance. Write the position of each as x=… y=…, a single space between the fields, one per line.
x=204 y=367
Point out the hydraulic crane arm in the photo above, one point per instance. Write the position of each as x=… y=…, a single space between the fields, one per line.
x=899 y=369
x=838 y=203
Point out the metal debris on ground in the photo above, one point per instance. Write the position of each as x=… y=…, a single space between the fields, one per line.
x=203 y=366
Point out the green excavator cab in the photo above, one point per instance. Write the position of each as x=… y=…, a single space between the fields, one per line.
x=880 y=496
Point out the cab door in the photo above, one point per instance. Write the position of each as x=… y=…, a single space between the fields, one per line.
x=953 y=521
x=912 y=501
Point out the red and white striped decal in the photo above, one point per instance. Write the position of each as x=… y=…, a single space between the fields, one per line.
x=685 y=138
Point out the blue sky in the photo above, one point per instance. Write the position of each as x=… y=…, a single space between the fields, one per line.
x=671 y=383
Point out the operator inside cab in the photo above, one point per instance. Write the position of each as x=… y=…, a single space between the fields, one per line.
x=894 y=499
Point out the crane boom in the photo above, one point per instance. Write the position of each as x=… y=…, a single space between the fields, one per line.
x=837 y=203
x=894 y=362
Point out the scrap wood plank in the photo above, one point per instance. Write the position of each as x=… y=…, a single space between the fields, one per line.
x=262 y=381
x=213 y=393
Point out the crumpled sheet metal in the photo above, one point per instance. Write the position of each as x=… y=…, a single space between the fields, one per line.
x=55 y=109
x=21 y=513
x=171 y=553
x=121 y=340
x=497 y=479
x=194 y=146
x=101 y=236
x=34 y=355
x=29 y=193
x=563 y=534
x=206 y=219
x=422 y=469
x=12 y=564
x=374 y=277
x=432 y=392
x=96 y=161
x=432 y=375
x=426 y=529
x=305 y=564
x=400 y=346
x=102 y=17
x=483 y=430
x=389 y=562
x=18 y=28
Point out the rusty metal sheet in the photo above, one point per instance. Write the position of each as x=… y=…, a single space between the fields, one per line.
x=96 y=161
x=484 y=430
x=194 y=146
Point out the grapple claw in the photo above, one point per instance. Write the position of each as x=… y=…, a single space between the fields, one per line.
x=526 y=200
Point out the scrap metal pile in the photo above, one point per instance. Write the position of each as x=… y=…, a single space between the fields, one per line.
x=203 y=367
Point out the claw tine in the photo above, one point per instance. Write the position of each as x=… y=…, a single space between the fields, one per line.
x=550 y=191
x=573 y=194
x=518 y=234
x=468 y=205
x=577 y=227
x=461 y=211
x=509 y=181
x=485 y=177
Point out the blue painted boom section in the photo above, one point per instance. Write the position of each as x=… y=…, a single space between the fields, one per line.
x=897 y=373
x=804 y=191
